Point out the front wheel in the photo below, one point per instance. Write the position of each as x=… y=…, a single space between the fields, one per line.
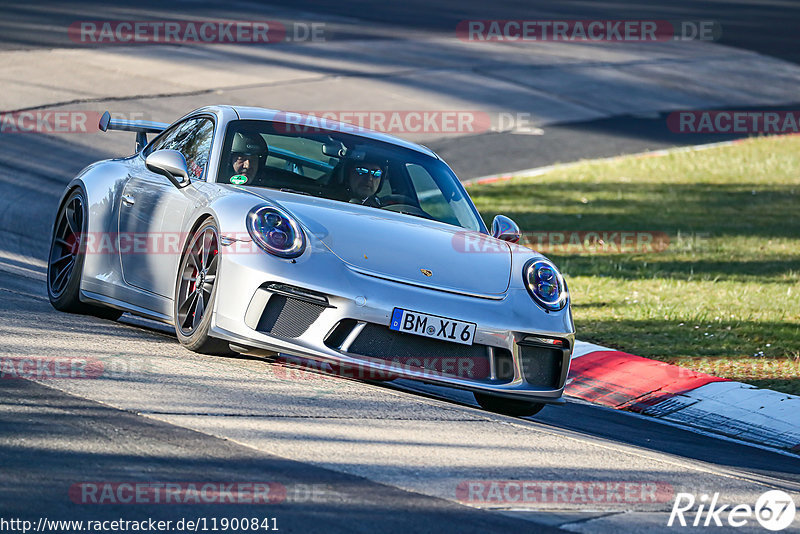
x=195 y=290
x=516 y=408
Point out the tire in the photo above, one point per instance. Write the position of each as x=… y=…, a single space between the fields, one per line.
x=516 y=408
x=66 y=258
x=195 y=292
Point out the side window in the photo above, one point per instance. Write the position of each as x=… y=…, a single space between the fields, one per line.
x=197 y=148
x=192 y=138
x=167 y=139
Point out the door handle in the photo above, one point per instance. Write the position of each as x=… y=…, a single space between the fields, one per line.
x=128 y=200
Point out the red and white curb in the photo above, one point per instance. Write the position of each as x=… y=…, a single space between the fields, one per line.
x=716 y=405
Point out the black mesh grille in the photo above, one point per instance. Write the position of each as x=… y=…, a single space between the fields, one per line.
x=287 y=317
x=411 y=351
x=541 y=366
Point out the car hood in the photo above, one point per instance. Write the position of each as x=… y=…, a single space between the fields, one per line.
x=401 y=247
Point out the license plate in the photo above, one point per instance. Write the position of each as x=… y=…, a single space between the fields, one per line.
x=423 y=324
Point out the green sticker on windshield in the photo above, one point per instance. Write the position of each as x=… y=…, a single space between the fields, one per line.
x=239 y=179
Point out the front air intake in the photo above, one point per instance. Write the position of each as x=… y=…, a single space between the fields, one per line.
x=288 y=317
x=541 y=366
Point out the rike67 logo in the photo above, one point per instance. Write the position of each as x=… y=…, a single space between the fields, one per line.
x=774 y=510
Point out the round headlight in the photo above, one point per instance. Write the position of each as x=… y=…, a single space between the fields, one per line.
x=276 y=232
x=545 y=284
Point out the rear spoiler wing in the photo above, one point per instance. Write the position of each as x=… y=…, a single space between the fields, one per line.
x=142 y=128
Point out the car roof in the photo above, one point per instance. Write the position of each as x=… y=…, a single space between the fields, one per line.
x=290 y=117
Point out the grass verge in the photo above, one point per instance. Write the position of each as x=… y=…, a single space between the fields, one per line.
x=692 y=258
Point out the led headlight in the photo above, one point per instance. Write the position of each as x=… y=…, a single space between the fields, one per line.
x=545 y=284
x=276 y=232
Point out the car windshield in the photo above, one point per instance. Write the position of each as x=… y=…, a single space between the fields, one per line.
x=348 y=168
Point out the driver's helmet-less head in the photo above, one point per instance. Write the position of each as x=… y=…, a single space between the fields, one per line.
x=364 y=178
x=247 y=146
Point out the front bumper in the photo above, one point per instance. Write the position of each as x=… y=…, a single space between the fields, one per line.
x=320 y=308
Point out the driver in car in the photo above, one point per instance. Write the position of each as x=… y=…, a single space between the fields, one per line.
x=248 y=156
x=364 y=180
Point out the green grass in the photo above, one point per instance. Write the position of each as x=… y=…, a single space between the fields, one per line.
x=723 y=297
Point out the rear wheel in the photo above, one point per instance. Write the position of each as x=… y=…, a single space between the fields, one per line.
x=65 y=262
x=195 y=291
x=516 y=408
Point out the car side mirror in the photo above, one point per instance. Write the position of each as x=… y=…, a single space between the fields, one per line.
x=169 y=163
x=505 y=229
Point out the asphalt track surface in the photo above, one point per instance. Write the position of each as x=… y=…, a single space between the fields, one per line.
x=768 y=27
x=175 y=416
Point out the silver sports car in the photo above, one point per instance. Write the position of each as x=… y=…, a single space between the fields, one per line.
x=272 y=233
